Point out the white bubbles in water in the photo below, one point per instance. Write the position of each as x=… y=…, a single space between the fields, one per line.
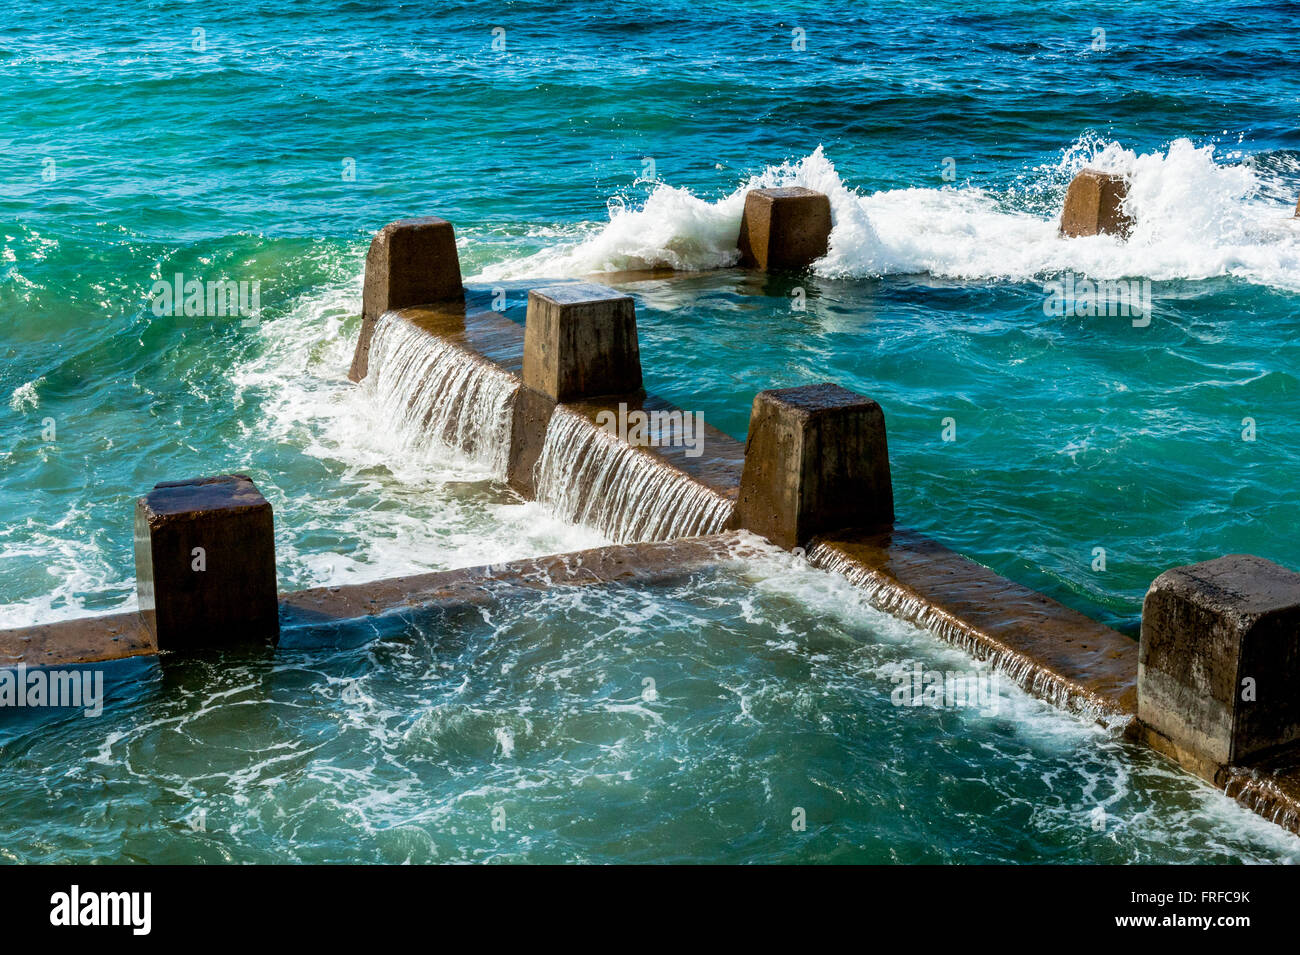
x=1197 y=217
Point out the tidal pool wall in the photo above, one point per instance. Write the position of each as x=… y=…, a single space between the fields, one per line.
x=1210 y=684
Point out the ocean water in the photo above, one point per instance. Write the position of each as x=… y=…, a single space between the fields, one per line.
x=736 y=715
x=265 y=142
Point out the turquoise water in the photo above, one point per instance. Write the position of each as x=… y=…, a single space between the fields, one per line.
x=603 y=138
x=527 y=730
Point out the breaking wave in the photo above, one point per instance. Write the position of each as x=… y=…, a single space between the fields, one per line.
x=1196 y=217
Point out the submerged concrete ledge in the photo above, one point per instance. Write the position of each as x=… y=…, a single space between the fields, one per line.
x=95 y=639
x=118 y=636
x=1051 y=651
x=624 y=563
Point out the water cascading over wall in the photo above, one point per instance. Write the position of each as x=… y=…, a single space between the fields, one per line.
x=590 y=477
x=432 y=389
x=892 y=596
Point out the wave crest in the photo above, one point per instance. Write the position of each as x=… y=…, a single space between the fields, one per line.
x=1196 y=218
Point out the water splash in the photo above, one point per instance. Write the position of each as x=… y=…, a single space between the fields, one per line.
x=433 y=390
x=888 y=596
x=590 y=477
x=1261 y=794
x=1196 y=217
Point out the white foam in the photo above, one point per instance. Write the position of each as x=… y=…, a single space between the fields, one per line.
x=433 y=392
x=76 y=564
x=589 y=477
x=674 y=229
x=26 y=397
x=1196 y=218
x=399 y=506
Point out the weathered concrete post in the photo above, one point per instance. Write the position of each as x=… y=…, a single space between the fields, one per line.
x=1094 y=205
x=816 y=460
x=784 y=229
x=1219 y=662
x=580 y=342
x=410 y=262
x=205 y=563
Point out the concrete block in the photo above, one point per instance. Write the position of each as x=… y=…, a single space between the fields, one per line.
x=1094 y=205
x=205 y=563
x=784 y=229
x=1219 y=662
x=816 y=460
x=410 y=262
x=529 y=418
x=580 y=342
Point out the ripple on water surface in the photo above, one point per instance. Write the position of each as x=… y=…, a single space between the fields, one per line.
x=694 y=721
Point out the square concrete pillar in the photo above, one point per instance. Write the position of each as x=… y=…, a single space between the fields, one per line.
x=410 y=262
x=580 y=342
x=1094 y=205
x=784 y=229
x=1219 y=662
x=816 y=460
x=205 y=563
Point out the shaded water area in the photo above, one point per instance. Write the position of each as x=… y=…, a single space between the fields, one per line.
x=689 y=720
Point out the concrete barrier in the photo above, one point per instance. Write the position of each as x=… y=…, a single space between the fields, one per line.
x=490 y=338
x=205 y=563
x=580 y=342
x=1050 y=651
x=410 y=262
x=816 y=460
x=1219 y=663
x=784 y=229
x=1209 y=685
x=1094 y=205
x=118 y=636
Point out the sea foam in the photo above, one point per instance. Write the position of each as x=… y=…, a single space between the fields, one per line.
x=1196 y=217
